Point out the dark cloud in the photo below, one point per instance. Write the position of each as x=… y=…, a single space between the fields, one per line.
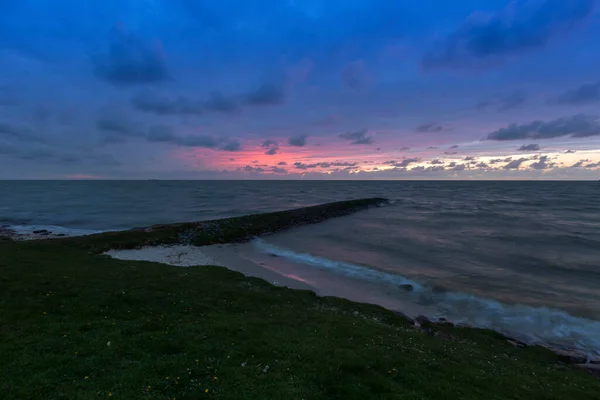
x=20 y=133
x=584 y=94
x=579 y=125
x=216 y=102
x=542 y=163
x=459 y=167
x=251 y=169
x=454 y=147
x=149 y=102
x=277 y=170
x=570 y=152
x=164 y=134
x=450 y=153
x=353 y=75
x=272 y=147
x=298 y=141
x=403 y=163
x=469 y=158
x=529 y=147
x=220 y=103
x=131 y=60
x=429 y=128
x=404 y=148
x=432 y=148
x=593 y=165
x=359 y=137
x=436 y=162
x=482 y=165
x=160 y=133
x=300 y=165
x=515 y=164
x=58 y=156
x=579 y=164
x=115 y=124
x=522 y=26
x=282 y=163
x=267 y=94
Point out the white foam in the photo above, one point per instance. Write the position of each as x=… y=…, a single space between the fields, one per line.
x=534 y=325
x=29 y=229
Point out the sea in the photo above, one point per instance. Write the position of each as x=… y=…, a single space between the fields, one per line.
x=522 y=258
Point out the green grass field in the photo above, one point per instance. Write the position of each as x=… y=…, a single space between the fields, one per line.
x=75 y=324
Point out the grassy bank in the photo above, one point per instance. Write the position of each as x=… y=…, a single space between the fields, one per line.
x=78 y=325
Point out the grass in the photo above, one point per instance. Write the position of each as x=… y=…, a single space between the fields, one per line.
x=75 y=324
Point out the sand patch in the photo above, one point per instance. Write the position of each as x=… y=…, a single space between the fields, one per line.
x=219 y=255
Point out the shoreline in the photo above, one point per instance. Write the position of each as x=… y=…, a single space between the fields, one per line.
x=229 y=257
x=136 y=329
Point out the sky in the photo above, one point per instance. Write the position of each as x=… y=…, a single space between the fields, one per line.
x=291 y=89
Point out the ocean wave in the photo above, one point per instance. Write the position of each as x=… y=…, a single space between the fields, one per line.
x=533 y=325
x=54 y=229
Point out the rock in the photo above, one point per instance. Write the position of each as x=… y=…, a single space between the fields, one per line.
x=406 y=287
x=439 y=289
x=593 y=369
x=571 y=357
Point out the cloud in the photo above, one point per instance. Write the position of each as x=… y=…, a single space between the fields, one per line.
x=358 y=137
x=584 y=94
x=282 y=163
x=301 y=165
x=579 y=164
x=216 y=102
x=220 y=103
x=521 y=26
x=455 y=146
x=529 y=147
x=130 y=60
x=298 y=141
x=577 y=126
x=277 y=170
x=515 y=164
x=403 y=163
x=20 y=133
x=469 y=158
x=148 y=102
x=164 y=134
x=353 y=75
x=272 y=147
x=267 y=94
x=436 y=162
x=459 y=167
x=429 y=128
x=570 y=152
x=542 y=163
